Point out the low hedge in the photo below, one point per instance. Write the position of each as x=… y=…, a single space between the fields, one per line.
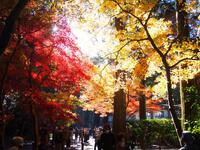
x=154 y=132
x=194 y=127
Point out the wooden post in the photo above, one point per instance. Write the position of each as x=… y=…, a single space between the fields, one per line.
x=119 y=117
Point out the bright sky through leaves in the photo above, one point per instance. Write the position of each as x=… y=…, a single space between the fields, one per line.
x=86 y=41
x=93 y=35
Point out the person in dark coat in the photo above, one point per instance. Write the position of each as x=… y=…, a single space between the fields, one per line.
x=58 y=139
x=97 y=137
x=107 y=139
x=188 y=140
x=17 y=143
x=44 y=139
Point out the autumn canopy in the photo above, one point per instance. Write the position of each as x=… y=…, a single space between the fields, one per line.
x=145 y=49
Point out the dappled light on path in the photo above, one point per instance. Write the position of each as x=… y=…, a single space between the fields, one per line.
x=76 y=145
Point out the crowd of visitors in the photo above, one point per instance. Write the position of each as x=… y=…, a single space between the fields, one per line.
x=61 y=139
x=105 y=140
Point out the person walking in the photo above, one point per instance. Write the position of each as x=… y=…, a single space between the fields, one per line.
x=17 y=143
x=107 y=138
x=97 y=137
x=121 y=142
x=58 y=138
x=76 y=133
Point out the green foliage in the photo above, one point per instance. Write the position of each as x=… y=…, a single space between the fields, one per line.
x=192 y=104
x=193 y=111
x=151 y=81
x=196 y=128
x=155 y=132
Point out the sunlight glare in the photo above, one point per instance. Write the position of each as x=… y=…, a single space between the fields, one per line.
x=85 y=40
x=55 y=28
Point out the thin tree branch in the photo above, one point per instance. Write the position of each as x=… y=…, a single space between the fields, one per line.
x=170 y=46
x=146 y=30
x=153 y=43
x=126 y=11
x=195 y=57
x=132 y=40
x=103 y=69
x=149 y=16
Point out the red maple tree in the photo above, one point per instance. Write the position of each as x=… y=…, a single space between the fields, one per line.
x=40 y=61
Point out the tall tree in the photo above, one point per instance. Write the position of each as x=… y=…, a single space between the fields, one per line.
x=141 y=30
x=40 y=61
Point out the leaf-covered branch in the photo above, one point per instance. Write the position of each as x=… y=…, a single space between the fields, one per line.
x=126 y=11
x=150 y=14
x=170 y=46
x=153 y=43
x=145 y=28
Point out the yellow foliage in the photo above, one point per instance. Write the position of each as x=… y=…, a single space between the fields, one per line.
x=141 y=69
x=106 y=5
x=139 y=56
x=159 y=27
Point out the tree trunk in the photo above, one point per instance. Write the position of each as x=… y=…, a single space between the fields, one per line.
x=2 y=95
x=182 y=104
x=175 y=119
x=183 y=32
x=36 y=126
x=182 y=24
x=2 y=135
x=119 y=117
x=142 y=107
x=2 y=123
x=9 y=25
x=142 y=115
